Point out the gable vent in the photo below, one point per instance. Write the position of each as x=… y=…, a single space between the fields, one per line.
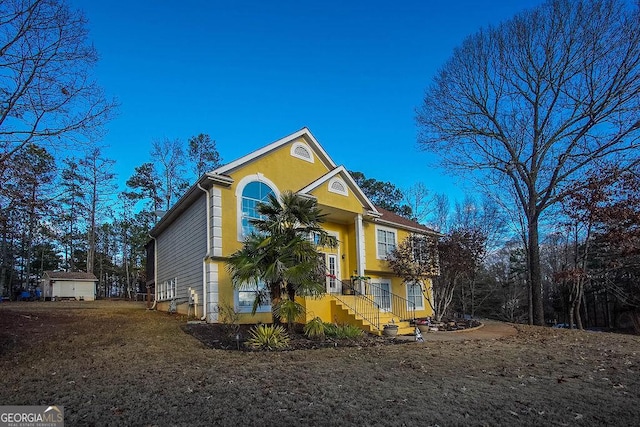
x=302 y=151
x=336 y=185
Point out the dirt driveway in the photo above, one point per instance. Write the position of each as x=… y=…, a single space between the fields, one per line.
x=115 y=363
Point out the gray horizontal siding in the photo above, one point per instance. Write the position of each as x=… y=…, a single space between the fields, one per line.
x=181 y=248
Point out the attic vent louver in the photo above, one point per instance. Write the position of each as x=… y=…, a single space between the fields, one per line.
x=302 y=151
x=337 y=185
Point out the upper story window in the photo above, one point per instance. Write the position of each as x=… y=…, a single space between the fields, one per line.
x=329 y=241
x=314 y=237
x=386 y=241
x=253 y=194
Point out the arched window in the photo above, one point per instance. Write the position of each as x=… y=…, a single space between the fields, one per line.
x=253 y=193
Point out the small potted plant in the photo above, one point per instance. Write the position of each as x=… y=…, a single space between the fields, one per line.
x=390 y=330
x=423 y=325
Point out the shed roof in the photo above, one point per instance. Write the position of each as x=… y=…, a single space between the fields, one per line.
x=71 y=275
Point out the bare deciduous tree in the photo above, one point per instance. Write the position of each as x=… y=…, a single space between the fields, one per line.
x=98 y=174
x=46 y=91
x=441 y=208
x=418 y=199
x=416 y=261
x=169 y=154
x=529 y=105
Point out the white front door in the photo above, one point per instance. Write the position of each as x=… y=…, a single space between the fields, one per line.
x=333 y=274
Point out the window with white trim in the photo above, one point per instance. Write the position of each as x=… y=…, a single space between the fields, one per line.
x=386 y=241
x=167 y=289
x=414 y=295
x=246 y=295
x=330 y=239
x=314 y=237
x=253 y=194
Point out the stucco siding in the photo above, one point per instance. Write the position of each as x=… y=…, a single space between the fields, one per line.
x=181 y=249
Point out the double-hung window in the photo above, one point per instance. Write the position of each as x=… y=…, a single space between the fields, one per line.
x=386 y=239
x=414 y=295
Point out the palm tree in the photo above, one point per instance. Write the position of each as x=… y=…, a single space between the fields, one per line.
x=282 y=253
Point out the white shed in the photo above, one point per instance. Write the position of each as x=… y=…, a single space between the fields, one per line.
x=69 y=284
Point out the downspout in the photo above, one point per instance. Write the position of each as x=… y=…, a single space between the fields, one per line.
x=155 y=272
x=204 y=260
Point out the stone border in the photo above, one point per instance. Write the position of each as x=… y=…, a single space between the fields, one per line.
x=475 y=328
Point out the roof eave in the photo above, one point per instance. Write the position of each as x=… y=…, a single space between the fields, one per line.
x=302 y=133
x=408 y=227
x=205 y=182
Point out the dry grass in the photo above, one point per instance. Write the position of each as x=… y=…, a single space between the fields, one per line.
x=115 y=363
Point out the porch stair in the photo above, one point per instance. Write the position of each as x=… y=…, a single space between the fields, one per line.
x=345 y=303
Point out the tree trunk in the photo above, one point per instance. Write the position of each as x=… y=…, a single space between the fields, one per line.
x=275 y=290
x=573 y=300
x=91 y=249
x=579 y=292
x=535 y=277
x=4 y=252
x=572 y=311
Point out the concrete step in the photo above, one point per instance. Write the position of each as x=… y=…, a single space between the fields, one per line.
x=348 y=301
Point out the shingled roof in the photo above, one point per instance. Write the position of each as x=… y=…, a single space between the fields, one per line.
x=70 y=275
x=402 y=222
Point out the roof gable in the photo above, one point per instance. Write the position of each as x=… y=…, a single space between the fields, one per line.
x=302 y=133
x=351 y=184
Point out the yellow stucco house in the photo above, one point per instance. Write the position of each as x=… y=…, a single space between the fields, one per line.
x=190 y=244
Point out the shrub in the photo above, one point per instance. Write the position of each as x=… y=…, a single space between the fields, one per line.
x=350 y=331
x=289 y=311
x=268 y=337
x=314 y=329
x=342 y=331
x=331 y=330
x=229 y=319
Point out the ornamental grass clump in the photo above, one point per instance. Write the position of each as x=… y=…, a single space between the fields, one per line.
x=268 y=337
x=334 y=330
x=315 y=329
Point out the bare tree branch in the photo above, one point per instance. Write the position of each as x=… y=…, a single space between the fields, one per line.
x=46 y=93
x=538 y=100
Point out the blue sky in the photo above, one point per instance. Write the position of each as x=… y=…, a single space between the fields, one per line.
x=250 y=72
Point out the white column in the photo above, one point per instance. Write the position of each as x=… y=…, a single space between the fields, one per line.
x=361 y=260
x=216 y=222
x=212 y=292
